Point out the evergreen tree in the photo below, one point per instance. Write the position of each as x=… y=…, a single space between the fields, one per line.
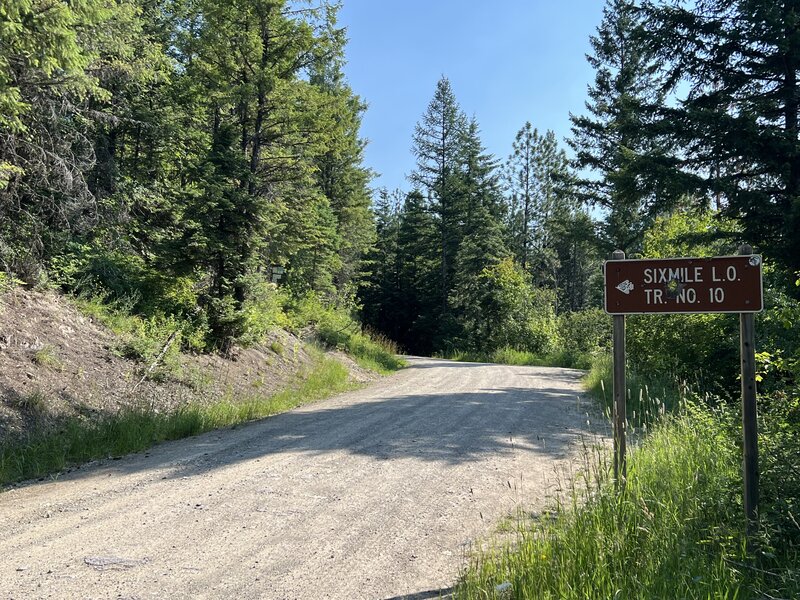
x=340 y=173
x=380 y=294
x=437 y=144
x=54 y=58
x=577 y=274
x=537 y=177
x=478 y=182
x=417 y=262
x=609 y=141
x=222 y=236
x=739 y=121
x=473 y=297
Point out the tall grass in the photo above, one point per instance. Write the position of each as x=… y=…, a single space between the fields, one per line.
x=523 y=358
x=509 y=356
x=648 y=399
x=139 y=428
x=370 y=351
x=335 y=327
x=675 y=531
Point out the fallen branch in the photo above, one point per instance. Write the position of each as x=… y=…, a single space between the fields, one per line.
x=161 y=354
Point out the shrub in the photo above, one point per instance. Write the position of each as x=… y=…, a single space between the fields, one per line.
x=584 y=334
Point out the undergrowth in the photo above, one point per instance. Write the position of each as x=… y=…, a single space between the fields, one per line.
x=337 y=329
x=141 y=427
x=657 y=540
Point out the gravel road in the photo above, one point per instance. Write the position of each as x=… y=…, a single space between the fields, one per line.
x=377 y=493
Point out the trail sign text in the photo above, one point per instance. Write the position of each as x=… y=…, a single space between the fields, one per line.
x=724 y=284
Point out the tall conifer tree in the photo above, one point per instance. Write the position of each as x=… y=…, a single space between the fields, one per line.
x=436 y=144
x=608 y=141
x=740 y=121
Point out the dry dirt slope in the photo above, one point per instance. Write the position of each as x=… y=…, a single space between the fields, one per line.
x=57 y=363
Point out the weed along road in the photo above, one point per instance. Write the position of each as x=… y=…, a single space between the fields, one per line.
x=376 y=493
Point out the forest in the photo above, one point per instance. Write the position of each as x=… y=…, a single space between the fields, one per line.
x=199 y=164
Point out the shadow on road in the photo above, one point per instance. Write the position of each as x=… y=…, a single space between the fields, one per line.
x=446 y=427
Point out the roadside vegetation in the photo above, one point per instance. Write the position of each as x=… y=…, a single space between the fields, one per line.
x=156 y=345
x=139 y=427
x=676 y=531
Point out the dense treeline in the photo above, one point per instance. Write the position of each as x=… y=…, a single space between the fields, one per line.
x=481 y=254
x=693 y=111
x=171 y=153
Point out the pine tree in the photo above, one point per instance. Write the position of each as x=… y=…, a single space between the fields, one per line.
x=472 y=296
x=416 y=307
x=54 y=63
x=340 y=173
x=537 y=179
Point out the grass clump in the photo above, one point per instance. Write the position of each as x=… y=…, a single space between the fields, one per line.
x=523 y=358
x=46 y=356
x=139 y=428
x=675 y=531
x=504 y=356
x=34 y=402
x=648 y=399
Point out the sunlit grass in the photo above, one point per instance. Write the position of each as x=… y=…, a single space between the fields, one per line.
x=647 y=399
x=676 y=530
x=521 y=358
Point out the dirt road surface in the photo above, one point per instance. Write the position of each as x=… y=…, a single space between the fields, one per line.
x=377 y=493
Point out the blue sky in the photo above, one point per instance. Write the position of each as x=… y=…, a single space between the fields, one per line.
x=508 y=61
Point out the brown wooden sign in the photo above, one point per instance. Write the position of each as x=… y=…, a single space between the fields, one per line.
x=723 y=284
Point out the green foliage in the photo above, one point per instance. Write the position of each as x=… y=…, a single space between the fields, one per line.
x=584 y=334
x=336 y=328
x=609 y=140
x=731 y=68
x=143 y=339
x=8 y=282
x=166 y=156
x=690 y=232
x=42 y=42
x=536 y=173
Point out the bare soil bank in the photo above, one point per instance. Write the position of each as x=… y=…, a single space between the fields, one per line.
x=56 y=363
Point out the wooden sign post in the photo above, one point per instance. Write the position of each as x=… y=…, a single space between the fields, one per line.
x=723 y=284
x=747 y=350
x=619 y=390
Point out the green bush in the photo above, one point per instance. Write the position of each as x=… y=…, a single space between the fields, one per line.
x=583 y=335
x=675 y=532
x=335 y=327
